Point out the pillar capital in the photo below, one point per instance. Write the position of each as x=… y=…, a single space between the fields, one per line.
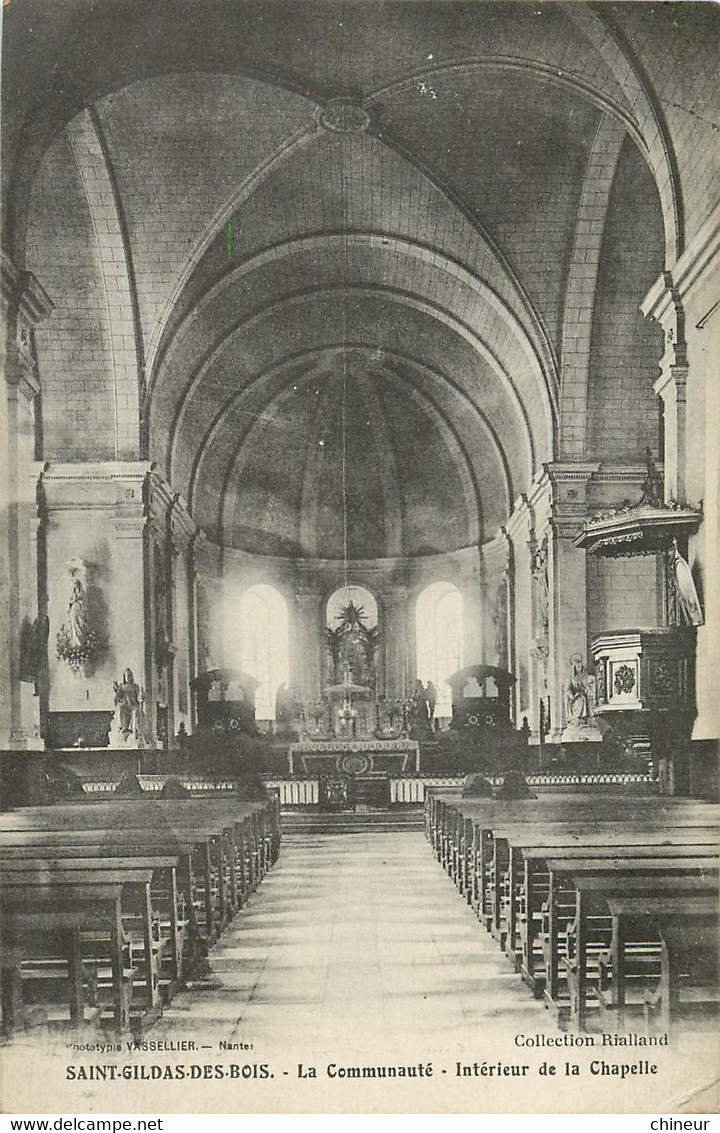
x=22 y=291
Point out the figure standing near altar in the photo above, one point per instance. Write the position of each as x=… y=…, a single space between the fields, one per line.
x=431 y=699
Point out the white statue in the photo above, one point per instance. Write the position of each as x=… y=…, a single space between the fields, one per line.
x=129 y=724
x=579 y=701
x=687 y=602
x=77 y=623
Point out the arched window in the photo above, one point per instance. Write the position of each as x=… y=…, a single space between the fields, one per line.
x=439 y=639
x=264 y=644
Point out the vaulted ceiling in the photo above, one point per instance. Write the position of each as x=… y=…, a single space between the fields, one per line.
x=327 y=220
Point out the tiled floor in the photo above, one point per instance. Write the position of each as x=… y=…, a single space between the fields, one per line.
x=364 y=927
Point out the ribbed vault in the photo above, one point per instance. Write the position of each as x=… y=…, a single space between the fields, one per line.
x=304 y=198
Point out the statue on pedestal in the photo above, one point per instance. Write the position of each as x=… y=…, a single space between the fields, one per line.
x=79 y=641
x=579 y=701
x=128 y=729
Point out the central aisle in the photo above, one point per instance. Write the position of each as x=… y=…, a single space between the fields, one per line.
x=361 y=934
x=356 y=980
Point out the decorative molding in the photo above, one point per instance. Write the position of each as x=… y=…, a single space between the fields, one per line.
x=24 y=289
x=571 y=472
x=343 y=116
x=624 y=474
x=115 y=488
x=643 y=528
x=106 y=471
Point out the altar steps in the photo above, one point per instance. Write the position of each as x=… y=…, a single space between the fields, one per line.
x=359 y=821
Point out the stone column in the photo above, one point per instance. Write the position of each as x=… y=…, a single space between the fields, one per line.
x=160 y=636
x=566 y=492
x=396 y=642
x=472 y=584
x=517 y=533
x=24 y=304
x=494 y=557
x=509 y=659
x=182 y=535
x=665 y=306
x=310 y=605
x=684 y=301
x=672 y=388
x=193 y=660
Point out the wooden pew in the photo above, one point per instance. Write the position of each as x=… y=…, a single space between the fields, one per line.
x=498 y=898
x=498 y=853
x=66 y=923
x=686 y=926
x=463 y=828
x=443 y=810
x=209 y=907
x=247 y=836
x=224 y=876
x=167 y=899
x=216 y=852
x=561 y=908
x=595 y=929
x=512 y=845
x=544 y=875
x=139 y=920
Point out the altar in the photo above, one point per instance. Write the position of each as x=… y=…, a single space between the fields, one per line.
x=354 y=757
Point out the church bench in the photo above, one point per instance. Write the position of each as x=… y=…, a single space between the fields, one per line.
x=689 y=976
x=170 y=900
x=174 y=889
x=591 y=934
x=575 y=900
x=229 y=845
x=477 y=864
x=140 y=920
x=78 y=834
x=508 y=878
x=253 y=826
x=541 y=873
x=490 y=851
x=262 y=817
x=458 y=843
x=497 y=852
x=80 y=928
x=595 y=820
x=676 y=926
x=632 y=963
x=444 y=810
x=204 y=876
x=510 y=842
x=221 y=869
